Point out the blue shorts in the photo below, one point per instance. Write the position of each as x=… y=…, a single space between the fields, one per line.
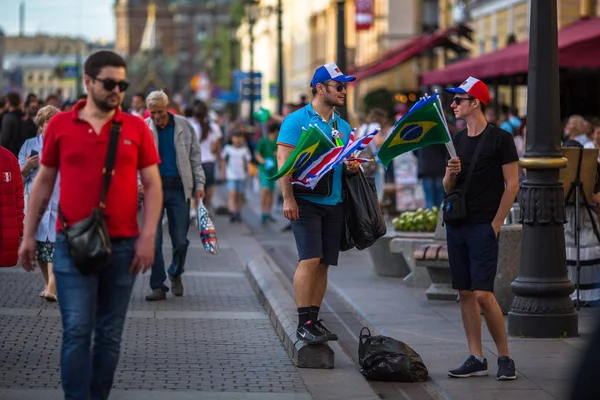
x=318 y=231
x=473 y=256
x=236 y=185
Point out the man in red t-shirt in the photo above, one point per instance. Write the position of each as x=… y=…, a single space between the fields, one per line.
x=76 y=144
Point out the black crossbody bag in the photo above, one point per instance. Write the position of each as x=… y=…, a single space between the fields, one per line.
x=88 y=240
x=454 y=208
x=323 y=188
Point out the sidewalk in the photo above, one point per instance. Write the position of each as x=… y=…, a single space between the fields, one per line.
x=215 y=342
x=433 y=328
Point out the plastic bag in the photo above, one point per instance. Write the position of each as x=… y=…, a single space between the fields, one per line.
x=383 y=358
x=206 y=229
x=363 y=214
x=347 y=242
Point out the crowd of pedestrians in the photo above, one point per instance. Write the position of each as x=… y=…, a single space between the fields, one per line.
x=168 y=159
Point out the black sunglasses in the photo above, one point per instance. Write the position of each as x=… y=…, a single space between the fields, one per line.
x=458 y=100
x=339 y=87
x=109 y=84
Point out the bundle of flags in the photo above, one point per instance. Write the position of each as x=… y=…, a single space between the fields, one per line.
x=424 y=124
x=316 y=154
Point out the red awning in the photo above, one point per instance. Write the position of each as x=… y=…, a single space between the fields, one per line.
x=403 y=52
x=577 y=48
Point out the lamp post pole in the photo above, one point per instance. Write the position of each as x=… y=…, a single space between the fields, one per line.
x=280 y=82
x=542 y=306
x=341 y=47
x=251 y=32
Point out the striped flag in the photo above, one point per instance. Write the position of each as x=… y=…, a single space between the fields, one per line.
x=316 y=170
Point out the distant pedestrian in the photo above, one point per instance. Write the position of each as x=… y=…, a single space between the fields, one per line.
x=317 y=216
x=45 y=235
x=182 y=178
x=93 y=305
x=235 y=164
x=12 y=134
x=210 y=135
x=266 y=156
x=11 y=208
x=473 y=243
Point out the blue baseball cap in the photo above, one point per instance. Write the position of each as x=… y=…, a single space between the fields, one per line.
x=330 y=72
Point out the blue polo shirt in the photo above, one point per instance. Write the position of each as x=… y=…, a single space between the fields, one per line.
x=166 y=149
x=289 y=135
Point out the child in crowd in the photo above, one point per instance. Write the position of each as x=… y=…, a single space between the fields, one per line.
x=234 y=166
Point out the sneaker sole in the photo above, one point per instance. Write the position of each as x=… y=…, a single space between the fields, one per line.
x=507 y=378
x=472 y=374
x=303 y=340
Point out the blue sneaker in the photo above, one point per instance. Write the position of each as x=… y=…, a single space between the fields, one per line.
x=471 y=367
x=506 y=369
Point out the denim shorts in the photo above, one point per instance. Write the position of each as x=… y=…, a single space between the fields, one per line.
x=236 y=185
x=318 y=231
x=473 y=256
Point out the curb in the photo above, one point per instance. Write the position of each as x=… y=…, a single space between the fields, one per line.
x=281 y=309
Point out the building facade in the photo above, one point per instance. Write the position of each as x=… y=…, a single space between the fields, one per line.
x=44 y=44
x=497 y=23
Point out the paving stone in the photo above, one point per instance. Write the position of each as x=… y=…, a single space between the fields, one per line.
x=216 y=338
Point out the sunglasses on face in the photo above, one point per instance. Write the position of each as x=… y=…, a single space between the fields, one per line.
x=109 y=84
x=458 y=100
x=339 y=87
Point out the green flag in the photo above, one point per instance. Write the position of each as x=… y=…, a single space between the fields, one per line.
x=311 y=145
x=262 y=115
x=421 y=127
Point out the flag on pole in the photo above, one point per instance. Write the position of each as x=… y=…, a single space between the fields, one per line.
x=313 y=143
x=423 y=125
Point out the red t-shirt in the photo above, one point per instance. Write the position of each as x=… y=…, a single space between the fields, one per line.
x=72 y=146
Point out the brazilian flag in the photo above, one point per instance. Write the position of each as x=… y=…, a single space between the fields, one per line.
x=312 y=144
x=421 y=126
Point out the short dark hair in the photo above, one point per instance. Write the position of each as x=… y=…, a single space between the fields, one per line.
x=140 y=95
x=100 y=59
x=30 y=99
x=274 y=127
x=13 y=99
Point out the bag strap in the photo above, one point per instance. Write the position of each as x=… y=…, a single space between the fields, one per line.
x=475 y=159
x=111 y=155
x=108 y=171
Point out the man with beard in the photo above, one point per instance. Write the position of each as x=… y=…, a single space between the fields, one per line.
x=76 y=144
x=316 y=216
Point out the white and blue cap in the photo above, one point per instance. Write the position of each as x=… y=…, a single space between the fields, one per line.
x=330 y=72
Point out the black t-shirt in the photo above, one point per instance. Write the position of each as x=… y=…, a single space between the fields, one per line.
x=487 y=183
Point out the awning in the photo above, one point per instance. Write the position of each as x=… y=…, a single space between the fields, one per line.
x=405 y=51
x=577 y=48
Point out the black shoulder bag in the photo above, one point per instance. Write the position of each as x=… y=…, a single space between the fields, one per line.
x=88 y=240
x=454 y=208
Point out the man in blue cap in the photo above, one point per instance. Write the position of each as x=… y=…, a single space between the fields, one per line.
x=316 y=215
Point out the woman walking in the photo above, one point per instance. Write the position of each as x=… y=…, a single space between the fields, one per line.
x=45 y=236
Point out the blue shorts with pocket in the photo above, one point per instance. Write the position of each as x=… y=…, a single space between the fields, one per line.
x=473 y=256
x=318 y=231
x=236 y=185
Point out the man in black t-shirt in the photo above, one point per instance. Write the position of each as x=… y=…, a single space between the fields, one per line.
x=473 y=244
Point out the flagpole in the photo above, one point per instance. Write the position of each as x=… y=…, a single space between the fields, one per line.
x=450 y=145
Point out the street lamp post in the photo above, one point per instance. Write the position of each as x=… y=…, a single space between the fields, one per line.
x=341 y=47
x=252 y=15
x=542 y=306
x=280 y=82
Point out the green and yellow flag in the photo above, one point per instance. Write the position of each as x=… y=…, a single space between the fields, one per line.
x=312 y=144
x=421 y=126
